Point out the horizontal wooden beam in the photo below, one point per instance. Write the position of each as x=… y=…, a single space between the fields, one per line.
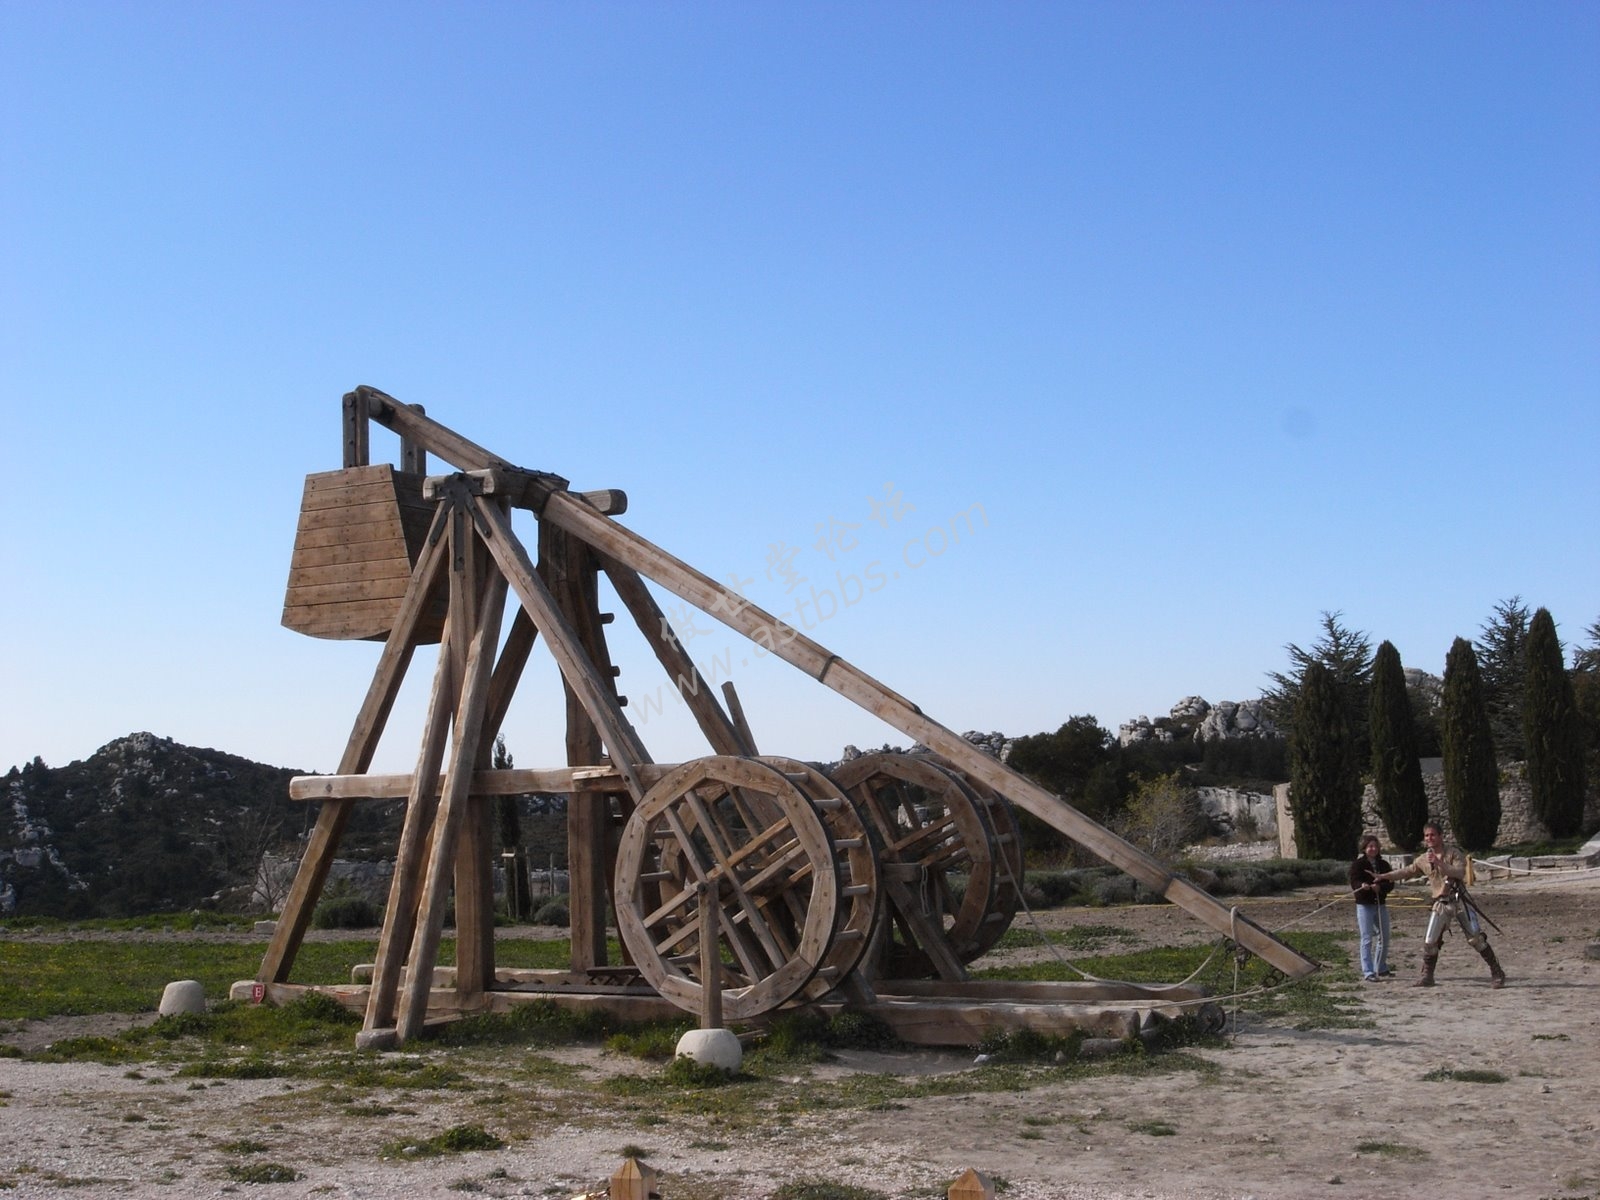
x=518 y=782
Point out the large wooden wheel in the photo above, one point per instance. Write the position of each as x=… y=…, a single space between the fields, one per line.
x=1001 y=818
x=859 y=892
x=742 y=836
x=938 y=860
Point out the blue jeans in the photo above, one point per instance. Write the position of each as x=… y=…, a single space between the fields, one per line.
x=1373 y=921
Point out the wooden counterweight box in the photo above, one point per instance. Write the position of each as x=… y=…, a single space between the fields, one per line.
x=361 y=531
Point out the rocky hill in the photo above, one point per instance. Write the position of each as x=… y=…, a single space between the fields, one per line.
x=146 y=824
x=142 y=825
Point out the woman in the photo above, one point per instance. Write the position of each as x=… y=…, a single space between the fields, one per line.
x=1372 y=910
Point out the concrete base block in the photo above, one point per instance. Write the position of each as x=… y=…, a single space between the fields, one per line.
x=712 y=1048
x=182 y=996
x=377 y=1039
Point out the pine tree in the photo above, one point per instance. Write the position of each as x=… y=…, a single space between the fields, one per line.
x=1396 y=768
x=1347 y=654
x=1471 y=777
x=1503 y=668
x=1324 y=772
x=1552 y=732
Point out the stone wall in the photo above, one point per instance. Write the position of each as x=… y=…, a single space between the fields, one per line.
x=1517 y=820
x=1241 y=814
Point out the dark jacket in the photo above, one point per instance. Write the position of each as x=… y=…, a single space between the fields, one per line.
x=1361 y=873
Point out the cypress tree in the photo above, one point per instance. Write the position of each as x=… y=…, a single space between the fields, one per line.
x=1324 y=772
x=1471 y=777
x=519 y=904
x=1552 y=732
x=1396 y=767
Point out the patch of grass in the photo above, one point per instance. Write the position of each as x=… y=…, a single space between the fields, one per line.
x=541 y=1023
x=821 y=1189
x=656 y=1042
x=93 y=975
x=1082 y=937
x=458 y=1139
x=1551 y=1037
x=251 y=1067
x=1153 y=1128
x=1030 y=1046
x=245 y=1146
x=1391 y=1150
x=686 y=1072
x=266 y=1172
x=181 y=922
x=1464 y=1075
x=92 y=1049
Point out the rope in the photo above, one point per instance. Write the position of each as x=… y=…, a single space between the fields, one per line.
x=1233 y=925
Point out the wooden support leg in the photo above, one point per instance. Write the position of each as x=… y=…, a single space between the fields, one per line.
x=363 y=742
x=710 y=958
x=399 y=918
x=470 y=712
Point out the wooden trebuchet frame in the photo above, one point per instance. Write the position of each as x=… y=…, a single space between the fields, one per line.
x=740 y=883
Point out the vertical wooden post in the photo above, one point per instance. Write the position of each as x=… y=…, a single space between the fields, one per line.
x=356 y=451
x=470 y=710
x=474 y=869
x=569 y=572
x=413 y=455
x=710 y=957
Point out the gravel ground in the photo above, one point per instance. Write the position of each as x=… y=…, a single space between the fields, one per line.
x=1286 y=1114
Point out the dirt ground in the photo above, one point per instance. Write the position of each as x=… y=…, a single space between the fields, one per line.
x=1286 y=1114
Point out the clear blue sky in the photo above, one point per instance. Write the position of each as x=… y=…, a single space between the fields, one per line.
x=1225 y=314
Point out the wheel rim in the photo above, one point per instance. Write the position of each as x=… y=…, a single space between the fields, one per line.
x=935 y=839
x=739 y=829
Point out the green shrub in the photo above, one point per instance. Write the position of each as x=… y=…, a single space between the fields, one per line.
x=347 y=912
x=1114 y=889
x=554 y=911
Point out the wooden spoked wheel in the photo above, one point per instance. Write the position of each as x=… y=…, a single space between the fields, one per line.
x=859 y=892
x=747 y=838
x=938 y=859
x=1001 y=818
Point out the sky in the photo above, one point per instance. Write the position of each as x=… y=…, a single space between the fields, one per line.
x=1113 y=343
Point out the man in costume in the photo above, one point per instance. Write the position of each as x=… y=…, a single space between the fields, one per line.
x=1446 y=869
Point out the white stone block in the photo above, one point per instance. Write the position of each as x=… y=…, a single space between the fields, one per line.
x=183 y=996
x=712 y=1048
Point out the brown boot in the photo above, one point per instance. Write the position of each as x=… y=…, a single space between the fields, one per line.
x=1429 y=961
x=1497 y=976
